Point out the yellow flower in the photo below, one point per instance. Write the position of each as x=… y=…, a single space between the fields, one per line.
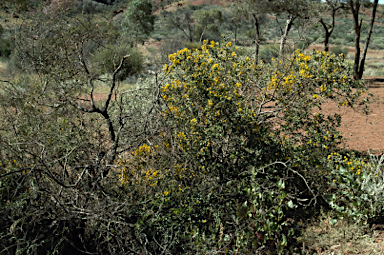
x=193 y=121
x=315 y=96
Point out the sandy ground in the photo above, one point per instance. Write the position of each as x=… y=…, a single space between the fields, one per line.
x=363 y=132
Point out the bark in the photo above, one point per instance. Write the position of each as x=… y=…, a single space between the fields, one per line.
x=357 y=26
x=257 y=39
x=285 y=35
x=328 y=31
x=236 y=34
x=362 y=61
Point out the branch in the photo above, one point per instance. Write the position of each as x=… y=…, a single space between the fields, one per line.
x=114 y=83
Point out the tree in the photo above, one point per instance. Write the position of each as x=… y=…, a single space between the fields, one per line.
x=233 y=18
x=256 y=10
x=68 y=139
x=139 y=20
x=207 y=20
x=354 y=6
x=334 y=6
x=182 y=19
x=293 y=9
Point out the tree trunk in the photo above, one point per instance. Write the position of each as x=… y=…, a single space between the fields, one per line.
x=190 y=37
x=285 y=35
x=235 y=34
x=328 y=31
x=357 y=27
x=257 y=39
x=362 y=61
x=327 y=35
x=202 y=34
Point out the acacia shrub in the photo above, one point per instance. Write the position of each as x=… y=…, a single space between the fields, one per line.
x=240 y=149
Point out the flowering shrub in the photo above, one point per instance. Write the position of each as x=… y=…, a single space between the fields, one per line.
x=240 y=147
x=357 y=186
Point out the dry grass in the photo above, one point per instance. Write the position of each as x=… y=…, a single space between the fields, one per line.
x=3 y=67
x=342 y=238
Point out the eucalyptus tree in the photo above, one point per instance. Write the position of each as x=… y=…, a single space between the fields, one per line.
x=290 y=10
x=182 y=19
x=333 y=6
x=257 y=11
x=139 y=21
x=295 y=9
x=208 y=19
x=354 y=7
x=233 y=19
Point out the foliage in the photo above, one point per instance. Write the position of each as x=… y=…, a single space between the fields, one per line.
x=182 y=19
x=213 y=155
x=337 y=50
x=6 y=47
x=208 y=20
x=357 y=187
x=227 y=157
x=89 y=7
x=109 y=58
x=139 y=21
x=268 y=52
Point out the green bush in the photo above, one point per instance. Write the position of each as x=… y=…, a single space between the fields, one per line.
x=356 y=184
x=268 y=52
x=226 y=170
x=6 y=47
x=302 y=44
x=337 y=50
x=213 y=155
x=107 y=59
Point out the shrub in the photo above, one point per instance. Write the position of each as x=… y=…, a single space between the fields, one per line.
x=6 y=47
x=268 y=52
x=108 y=58
x=227 y=166
x=337 y=50
x=303 y=44
x=356 y=187
x=89 y=7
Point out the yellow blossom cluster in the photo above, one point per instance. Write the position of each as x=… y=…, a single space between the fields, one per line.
x=352 y=164
x=140 y=167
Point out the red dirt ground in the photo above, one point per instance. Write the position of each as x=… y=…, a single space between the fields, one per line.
x=363 y=132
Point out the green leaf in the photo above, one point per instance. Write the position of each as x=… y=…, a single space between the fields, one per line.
x=329 y=198
x=333 y=221
x=291 y=205
x=284 y=241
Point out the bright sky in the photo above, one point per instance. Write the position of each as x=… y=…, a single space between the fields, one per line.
x=381 y=1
